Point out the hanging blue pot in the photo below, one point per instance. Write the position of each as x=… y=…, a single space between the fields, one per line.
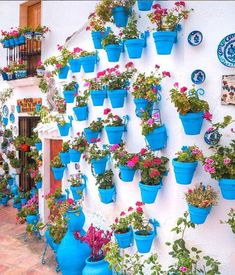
x=12 y=42
x=55 y=246
x=33 y=191
x=65 y=157
x=69 y=96
x=77 y=191
x=97 y=37
x=144 y=243
x=115 y=133
x=157 y=140
x=32 y=219
x=63 y=73
x=48 y=237
x=149 y=192
x=227 y=187
x=10 y=181
x=18 y=108
x=38 y=107
x=98 y=97
x=141 y=105
x=107 y=195
x=16 y=41
x=99 y=165
x=198 y=215
x=164 y=41
x=144 y=5
x=192 y=123
x=21 y=40
x=113 y=52
x=75 y=155
x=81 y=113
x=184 y=171
x=91 y=136
x=96 y=268
x=64 y=130
x=14 y=189
x=75 y=65
x=38 y=184
x=124 y=240
x=5 y=121
x=23 y=201
x=135 y=47
x=117 y=97
x=88 y=63
x=5 y=200
x=58 y=172
x=120 y=16
x=38 y=146
x=6 y=43
x=126 y=174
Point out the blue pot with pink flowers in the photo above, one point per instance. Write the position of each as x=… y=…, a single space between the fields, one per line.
x=91 y=136
x=126 y=173
x=227 y=187
x=142 y=105
x=192 y=123
x=63 y=72
x=157 y=139
x=88 y=63
x=184 y=171
x=198 y=215
x=144 y=5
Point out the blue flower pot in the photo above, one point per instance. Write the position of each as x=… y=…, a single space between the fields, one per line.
x=134 y=47
x=17 y=206
x=20 y=74
x=32 y=219
x=113 y=52
x=124 y=240
x=38 y=146
x=48 y=238
x=120 y=16
x=88 y=63
x=198 y=215
x=5 y=121
x=12 y=42
x=38 y=184
x=10 y=181
x=227 y=187
x=75 y=155
x=115 y=133
x=16 y=41
x=4 y=76
x=4 y=201
x=144 y=243
x=23 y=201
x=184 y=171
x=96 y=268
x=149 y=192
x=107 y=195
x=18 y=108
x=117 y=98
x=99 y=165
x=6 y=43
x=77 y=191
x=141 y=105
x=75 y=65
x=76 y=220
x=21 y=40
x=38 y=107
x=164 y=41
x=64 y=130
x=81 y=113
x=157 y=140
x=65 y=157
x=62 y=198
x=69 y=96
x=144 y=5
x=192 y=123
x=63 y=73
x=55 y=246
x=33 y=191
x=98 y=97
x=126 y=174
x=97 y=37
x=91 y=136
x=58 y=172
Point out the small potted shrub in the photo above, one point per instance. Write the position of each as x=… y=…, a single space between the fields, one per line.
x=88 y=60
x=55 y=196
x=77 y=147
x=8 y=73
x=57 y=230
x=106 y=186
x=38 y=180
x=127 y=162
x=77 y=185
x=69 y=92
x=57 y=168
x=152 y=171
x=5 y=196
x=115 y=127
x=64 y=154
x=39 y=32
x=144 y=5
x=96 y=89
x=112 y=45
x=191 y=108
x=60 y=105
x=185 y=163
x=63 y=126
x=74 y=62
x=37 y=141
x=19 y=69
x=93 y=130
x=200 y=200
x=17 y=202
x=40 y=69
x=81 y=109
x=24 y=197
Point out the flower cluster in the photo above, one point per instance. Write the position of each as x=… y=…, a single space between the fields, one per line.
x=95 y=23
x=105 y=180
x=76 y=180
x=95 y=153
x=150 y=123
x=112 y=120
x=79 y=143
x=189 y=154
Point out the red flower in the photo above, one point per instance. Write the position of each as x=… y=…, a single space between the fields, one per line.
x=156 y=6
x=139 y=203
x=166 y=74
x=130 y=209
x=78 y=133
x=116 y=117
x=157 y=66
x=147 y=163
x=129 y=64
x=182 y=3
x=157 y=161
x=116 y=220
x=106 y=111
x=143 y=151
x=122 y=213
x=70 y=201
x=139 y=210
x=190 y=191
x=154 y=173
x=183 y=89
x=99 y=74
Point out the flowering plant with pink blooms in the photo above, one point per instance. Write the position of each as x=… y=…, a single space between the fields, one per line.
x=95 y=23
x=122 y=223
x=95 y=153
x=40 y=65
x=189 y=154
x=112 y=120
x=150 y=123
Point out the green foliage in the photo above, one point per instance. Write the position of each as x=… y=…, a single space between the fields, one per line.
x=149 y=123
x=15 y=163
x=86 y=53
x=38 y=177
x=113 y=120
x=105 y=180
x=189 y=154
x=82 y=99
x=43 y=85
x=110 y=39
x=70 y=86
x=76 y=180
x=96 y=126
x=56 y=162
x=58 y=229
x=65 y=147
x=231 y=220
x=131 y=30
x=95 y=153
x=79 y=143
x=7 y=133
x=221 y=125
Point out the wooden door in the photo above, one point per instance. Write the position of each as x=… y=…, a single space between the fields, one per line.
x=34 y=15
x=55 y=148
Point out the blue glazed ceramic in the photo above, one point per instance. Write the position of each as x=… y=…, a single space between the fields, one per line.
x=16 y=41
x=69 y=96
x=5 y=200
x=10 y=181
x=14 y=189
x=157 y=140
x=198 y=77
x=198 y=215
x=144 y=243
x=63 y=73
x=6 y=43
x=124 y=240
x=77 y=191
x=91 y=136
x=5 y=121
x=81 y=113
x=33 y=191
x=65 y=157
x=20 y=74
x=212 y=136
x=75 y=155
x=120 y=16
x=149 y=192
x=21 y=40
x=126 y=174
x=192 y=123
x=184 y=171
x=117 y=97
x=18 y=109
x=38 y=184
x=115 y=133
x=99 y=165
x=17 y=206
x=134 y=47
x=12 y=42
x=88 y=63
x=113 y=52
x=12 y=118
x=226 y=50
x=96 y=268
x=48 y=238
x=60 y=199
x=97 y=37
x=75 y=65
x=107 y=195
x=144 y=5
x=58 y=172
x=64 y=130
x=32 y=219
x=227 y=187
x=195 y=38
x=38 y=146
x=23 y=201
x=98 y=97
x=164 y=41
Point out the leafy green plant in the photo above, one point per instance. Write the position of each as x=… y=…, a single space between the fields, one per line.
x=150 y=122
x=15 y=163
x=105 y=180
x=65 y=147
x=76 y=180
x=95 y=23
x=110 y=39
x=95 y=153
x=7 y=133
x=112 y=120
x=79 y=143
x=131 y=30
x=96 y=125
x=56 y=162
x=70 y=86
x=231 y=220
x=189 y=154
x=82 y=99
x=38 y=177
x=86 y=53
x=43 y=85
x=58 y=229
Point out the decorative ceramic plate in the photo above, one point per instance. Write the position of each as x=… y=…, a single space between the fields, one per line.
x=226 y=50
x=198 y=77
x=5 y=110
x=15 y=130
x=12 y=118
x=195 y=38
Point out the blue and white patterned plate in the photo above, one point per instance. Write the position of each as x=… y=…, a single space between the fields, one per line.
x=198 y=77
x=12 y=118
x=195 y=38
x=5 y=110
x=226 y=50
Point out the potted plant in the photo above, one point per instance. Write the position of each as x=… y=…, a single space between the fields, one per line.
x=200 y=200
x=70 y=91
x=54 y=197
x=88 y=60
x=106 y=187
x=191 y=108
x=63 y=126
x=5 y=167
x=74 y=62
x=22 y=143
x=81 y=109
x=152 y=171
x=77 y=147
x=38 y=180
x=39 y=32
x=154 y=131
x=144 y=5
x=115 y=126
x=221 y=166
x=29 y=212
x=37 y=141
x=27 y=32
x=64 y=154
x=5 y=39
x=112 y=45
x=93 y=130
x=96 y=238
x=17 y=202
x=24 y=197
x=19 y=69
x=60 y=105
x=40 y=69
x=96 y=90
x=57 y=230
x=4 y=197
x=185 y=163
x=16 y=164
x=167 y=21
x=77 y=185
x=57 y=168
x=7 y=73
x=127 y=162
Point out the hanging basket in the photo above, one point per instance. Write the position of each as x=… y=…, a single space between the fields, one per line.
x=75 y=155
x=65 y=157
x=97 y=37
x=88 y=63
x=38 y=146
x=77 y=191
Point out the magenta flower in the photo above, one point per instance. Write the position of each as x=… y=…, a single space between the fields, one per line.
x=212 y=170
x=176 y=85
x=130 y=163
x=58 y=66
x=207 y=116
x=164 y=74
x=156 y=115
x=114 y=147
x=196 y=151
x=183 y=90
x=209 y=161
x=207 y=167
x=227 y=161
x=150 y=121
x=183 y=269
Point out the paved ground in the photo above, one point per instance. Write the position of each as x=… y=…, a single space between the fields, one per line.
x=16 y=256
